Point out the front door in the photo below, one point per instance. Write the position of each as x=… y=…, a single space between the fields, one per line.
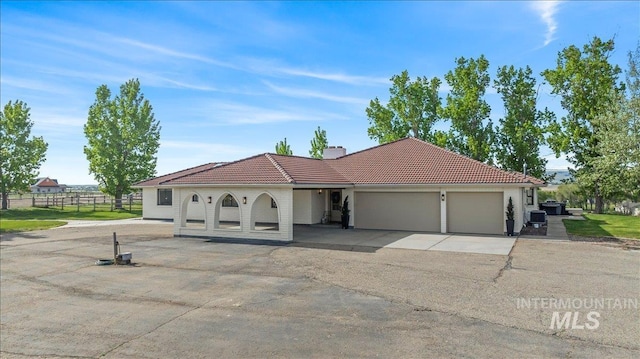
x=335 y=205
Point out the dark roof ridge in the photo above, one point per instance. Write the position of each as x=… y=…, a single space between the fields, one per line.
x=296 y=156
x=176 y=172
x=367 y=149
x=279 y=168
x=187 y=173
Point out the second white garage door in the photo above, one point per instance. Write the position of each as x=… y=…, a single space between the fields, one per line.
x=404 y=211
x=475 y=212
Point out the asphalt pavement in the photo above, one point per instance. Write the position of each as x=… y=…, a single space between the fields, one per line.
x=190 y=297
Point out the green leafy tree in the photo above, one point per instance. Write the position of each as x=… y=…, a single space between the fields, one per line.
x=616 y=170
x=412 y=110
x=283 y=148
x=471 y=131
x=123 y=139
x=522 y=130
x=318 y=143
x=587 y=84
x=20 y=154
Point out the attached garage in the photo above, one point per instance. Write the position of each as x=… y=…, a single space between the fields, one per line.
x=406 y=211
x=475 y=212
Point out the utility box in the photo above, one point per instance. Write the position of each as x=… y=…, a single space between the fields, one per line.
x=123 y=258
x=539 y=217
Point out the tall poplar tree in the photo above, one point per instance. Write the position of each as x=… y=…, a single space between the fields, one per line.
x=522 y=129
x=123 y=139
x=20 y=154
x=412 y=110
x=587 y=84
x=471 y=131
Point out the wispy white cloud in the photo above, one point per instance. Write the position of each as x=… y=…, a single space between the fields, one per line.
x=547 y=10
x=32 y=85
x=173 y=53
x=305 y=93
x=336 y=77
x=227 y=113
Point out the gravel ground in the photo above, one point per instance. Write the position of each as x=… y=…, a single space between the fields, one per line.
x=187 y=297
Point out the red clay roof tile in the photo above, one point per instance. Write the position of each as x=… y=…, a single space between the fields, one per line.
x=406 y=161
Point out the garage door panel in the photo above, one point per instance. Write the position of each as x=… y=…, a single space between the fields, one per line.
x=398 y=211
x=475 y=212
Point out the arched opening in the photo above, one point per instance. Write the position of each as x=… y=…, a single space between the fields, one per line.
x=227 y=214
x=265 y=214
x=193 y=212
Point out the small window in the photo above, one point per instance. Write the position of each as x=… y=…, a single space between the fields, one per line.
x=273 y=203
x=164 y=197
x=529 y=193
x=194 y=198
x=229 y=201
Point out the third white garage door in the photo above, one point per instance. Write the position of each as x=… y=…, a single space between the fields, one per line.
x=404 y=211
x=475 y=212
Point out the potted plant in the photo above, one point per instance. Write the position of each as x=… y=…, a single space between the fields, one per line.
x=345 y=213
x=510 y=216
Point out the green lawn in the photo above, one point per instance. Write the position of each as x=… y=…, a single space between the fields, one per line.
x=31 y=219
x=605 y=225
x=9 y=225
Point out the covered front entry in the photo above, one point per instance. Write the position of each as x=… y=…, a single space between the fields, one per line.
x=475 y=212
x=237 y=212
x=404 y=211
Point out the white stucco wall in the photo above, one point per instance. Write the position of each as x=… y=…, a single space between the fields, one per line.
x=318 y=206
x=302 y=205
x=150 y=208
x=309 y=206
x=258 y=205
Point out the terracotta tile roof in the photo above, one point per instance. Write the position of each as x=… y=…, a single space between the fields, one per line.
x=253 y=170
x=412 y=161
x=157 y=180
x=406 y=161
x=303 y=170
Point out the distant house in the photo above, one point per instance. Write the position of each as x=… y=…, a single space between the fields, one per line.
x=47 y=185
x=406 y=185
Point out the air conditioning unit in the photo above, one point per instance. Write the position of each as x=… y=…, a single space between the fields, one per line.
x=539 y=217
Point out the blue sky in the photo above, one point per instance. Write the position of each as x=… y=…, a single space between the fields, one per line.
x=228 y=80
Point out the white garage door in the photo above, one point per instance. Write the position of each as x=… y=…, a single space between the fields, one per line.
x=475 y=212
x=398 y=211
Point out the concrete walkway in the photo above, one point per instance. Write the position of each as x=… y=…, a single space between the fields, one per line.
x=555 y=228
x=97 y=223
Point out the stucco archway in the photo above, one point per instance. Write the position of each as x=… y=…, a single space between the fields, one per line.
x=193 y=211
x=265 y=213
x=227 y=213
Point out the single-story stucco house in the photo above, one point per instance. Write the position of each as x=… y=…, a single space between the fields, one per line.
x=407 y=185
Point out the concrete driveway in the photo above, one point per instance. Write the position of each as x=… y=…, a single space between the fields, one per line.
x=371 y=240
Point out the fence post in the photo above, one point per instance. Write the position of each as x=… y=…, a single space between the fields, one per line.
x=111 y=201
x=94 y=204
x=47 y=197
x=33 y=201
x=63 y=203
x=130 y=202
